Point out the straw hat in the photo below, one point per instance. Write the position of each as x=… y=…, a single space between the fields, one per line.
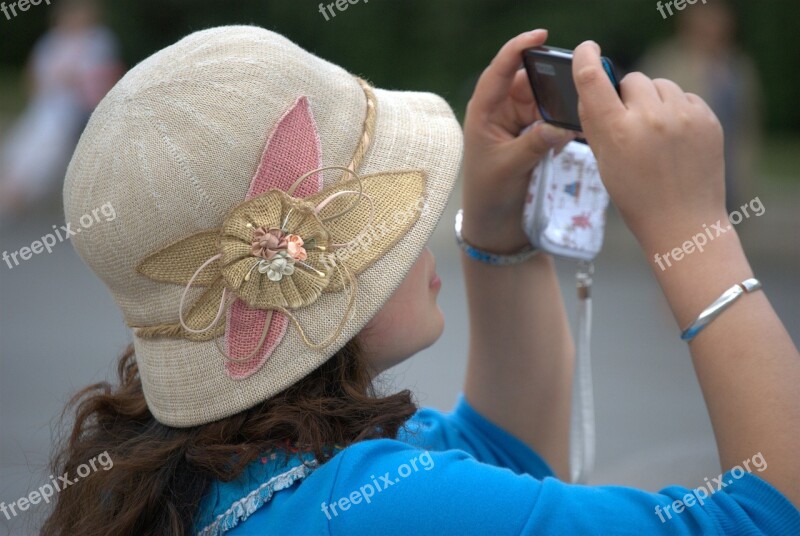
x=267 y=205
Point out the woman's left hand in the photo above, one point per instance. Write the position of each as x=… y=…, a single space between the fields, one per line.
x=497 y=160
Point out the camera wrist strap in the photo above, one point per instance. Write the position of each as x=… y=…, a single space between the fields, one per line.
x=582 y=427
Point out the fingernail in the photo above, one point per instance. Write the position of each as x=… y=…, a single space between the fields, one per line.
x=594 y=44
x=553 y=135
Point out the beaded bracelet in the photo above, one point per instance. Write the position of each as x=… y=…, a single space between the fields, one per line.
x=490 y=258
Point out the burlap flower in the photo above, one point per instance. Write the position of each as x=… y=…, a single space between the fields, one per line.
x=282 y=217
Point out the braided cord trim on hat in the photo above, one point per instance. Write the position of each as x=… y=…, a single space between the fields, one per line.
x=369 y=126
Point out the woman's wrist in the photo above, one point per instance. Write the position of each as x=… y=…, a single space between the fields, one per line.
x=493 y=230
x=693 y=277
x=665 y=232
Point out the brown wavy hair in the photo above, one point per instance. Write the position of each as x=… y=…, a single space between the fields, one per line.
x=160 y=473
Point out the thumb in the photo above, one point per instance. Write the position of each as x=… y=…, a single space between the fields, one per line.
x=598 y=100
x=534 y=143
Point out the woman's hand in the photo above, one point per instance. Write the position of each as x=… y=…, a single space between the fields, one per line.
x=659 y=151
x=497 y=161
x=519 y=374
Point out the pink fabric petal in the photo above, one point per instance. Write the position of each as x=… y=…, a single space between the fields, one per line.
x=292 y=150
x=244 y=329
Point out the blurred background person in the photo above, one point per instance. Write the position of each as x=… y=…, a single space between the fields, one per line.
x=70 y=69
x=703 y=58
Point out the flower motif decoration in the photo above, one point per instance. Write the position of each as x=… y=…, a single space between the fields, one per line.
x=273 y=254
x=280 y=265
x=278 y=251
x=292 y=149
x=267 y=243
x=295 y=248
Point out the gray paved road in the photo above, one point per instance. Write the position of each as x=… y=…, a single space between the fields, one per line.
x=60 y=330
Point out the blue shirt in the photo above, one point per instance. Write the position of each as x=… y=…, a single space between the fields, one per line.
x=460 y=474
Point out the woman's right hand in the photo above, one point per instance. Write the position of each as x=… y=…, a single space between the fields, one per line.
x=659 y=151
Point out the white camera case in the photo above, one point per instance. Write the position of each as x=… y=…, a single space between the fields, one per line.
x=565 y=209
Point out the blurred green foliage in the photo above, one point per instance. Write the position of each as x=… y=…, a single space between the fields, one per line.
x=442 y=45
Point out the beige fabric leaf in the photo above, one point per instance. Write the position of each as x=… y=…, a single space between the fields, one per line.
x=178 y=262
x=398 y=198
x=203 y=312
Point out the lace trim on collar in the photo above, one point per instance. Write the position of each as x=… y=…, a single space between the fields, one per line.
x=247 y=505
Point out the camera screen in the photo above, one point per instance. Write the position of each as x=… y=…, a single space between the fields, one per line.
x=555 y=90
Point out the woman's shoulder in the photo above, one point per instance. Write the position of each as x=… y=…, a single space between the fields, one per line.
x=275 y=476
x=277 y=490
x=396 y=456
x=433 y=452
x=389 y=486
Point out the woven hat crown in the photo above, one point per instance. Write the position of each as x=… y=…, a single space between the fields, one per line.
x=175 y=147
